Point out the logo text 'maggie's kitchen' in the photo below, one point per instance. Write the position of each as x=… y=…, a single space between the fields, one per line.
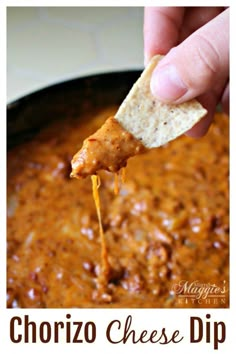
x=196 y=292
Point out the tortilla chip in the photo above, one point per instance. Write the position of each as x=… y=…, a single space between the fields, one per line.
x=152 y=122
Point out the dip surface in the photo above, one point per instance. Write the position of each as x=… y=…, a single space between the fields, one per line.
x=167 y=231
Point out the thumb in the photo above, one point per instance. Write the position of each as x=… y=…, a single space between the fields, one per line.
x=197 y=65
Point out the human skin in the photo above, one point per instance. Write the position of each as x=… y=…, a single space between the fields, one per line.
x=195 y=42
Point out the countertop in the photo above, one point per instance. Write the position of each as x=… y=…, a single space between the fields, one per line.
x=46 y=45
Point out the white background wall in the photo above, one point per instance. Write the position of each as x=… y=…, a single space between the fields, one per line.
x=51 y=44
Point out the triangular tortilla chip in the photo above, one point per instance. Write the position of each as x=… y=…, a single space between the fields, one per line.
x=151 y=121
x=141 y=122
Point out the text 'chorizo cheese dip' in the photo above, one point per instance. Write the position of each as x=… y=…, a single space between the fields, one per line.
x=168 y=225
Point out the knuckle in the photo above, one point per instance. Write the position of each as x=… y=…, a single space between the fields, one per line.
x=208 y=56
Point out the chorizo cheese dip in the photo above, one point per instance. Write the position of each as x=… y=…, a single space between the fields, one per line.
x=166 y=231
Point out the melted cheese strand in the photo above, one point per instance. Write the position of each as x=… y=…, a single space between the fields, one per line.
x=103 y=277
x=120 y=174
x=123 y=174
x=116 y=183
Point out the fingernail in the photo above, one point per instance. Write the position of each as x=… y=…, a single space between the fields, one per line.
x=166 y=84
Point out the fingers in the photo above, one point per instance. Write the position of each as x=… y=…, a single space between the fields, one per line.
x=198 y=65
x=161 y=29
x=225 y=99
x=196 y=17
x=209 y=101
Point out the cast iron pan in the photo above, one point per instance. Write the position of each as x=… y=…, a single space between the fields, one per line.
x=28 y=114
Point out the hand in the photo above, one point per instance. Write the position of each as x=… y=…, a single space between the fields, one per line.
x=196 y=43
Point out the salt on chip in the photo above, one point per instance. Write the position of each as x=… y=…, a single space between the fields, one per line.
x=152 y=122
